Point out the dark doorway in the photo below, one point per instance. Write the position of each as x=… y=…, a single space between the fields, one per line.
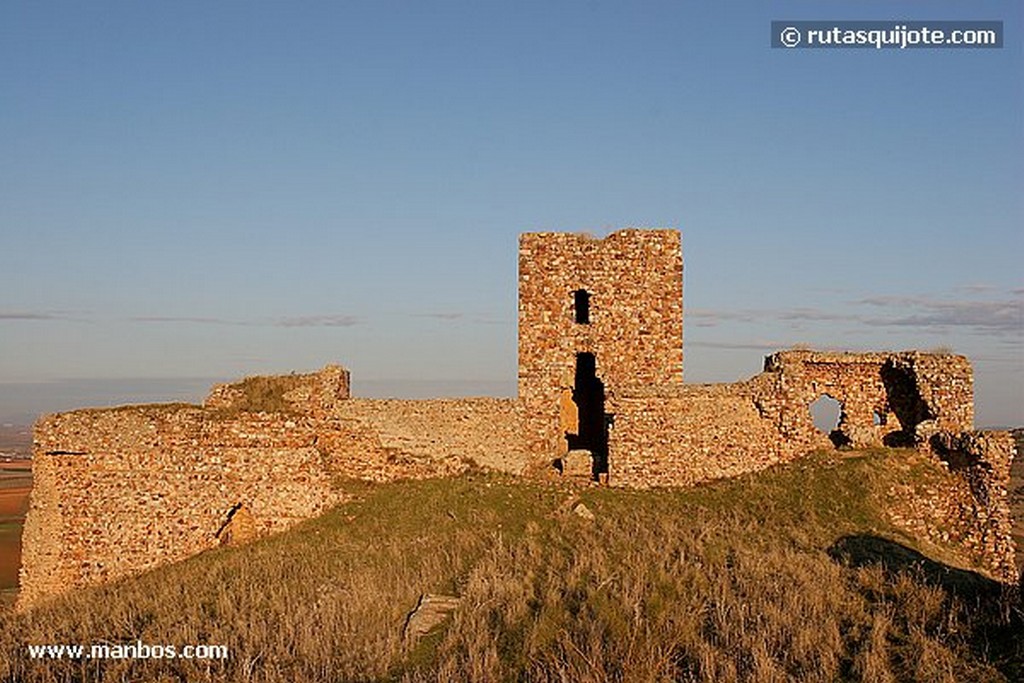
x=588 y=395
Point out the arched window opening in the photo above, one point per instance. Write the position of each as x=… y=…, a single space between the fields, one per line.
x=827 y=413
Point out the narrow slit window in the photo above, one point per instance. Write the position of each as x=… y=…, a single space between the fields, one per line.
x=581 y=304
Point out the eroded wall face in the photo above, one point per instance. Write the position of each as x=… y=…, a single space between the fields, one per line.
x=633 y=324
x=386 y=439
x=679 y=436
x=969 y=506
x=886 y=398
x=314 y=394
x=682 y=435
x=120 y=491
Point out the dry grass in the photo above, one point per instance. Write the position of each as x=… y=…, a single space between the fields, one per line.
x=766 y=578
x=266 y=393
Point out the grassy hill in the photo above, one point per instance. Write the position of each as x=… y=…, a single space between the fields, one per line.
x=793 y=574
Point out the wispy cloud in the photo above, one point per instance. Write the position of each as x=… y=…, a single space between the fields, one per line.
x=702 y=317
x=808 y=314
x=1005 y=317
x=745 y=346
x=330 y=320
x=452 y=316
x=706 y=318
x=318 y=321
x=440 y=316
x=198 y=320
x=26 y=315
x=977 y=288
x=999 y=317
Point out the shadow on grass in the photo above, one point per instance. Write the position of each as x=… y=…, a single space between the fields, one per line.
x=863 y=550
x=995 y=611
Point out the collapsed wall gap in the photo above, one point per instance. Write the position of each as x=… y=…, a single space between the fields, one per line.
x=904 y=400
x=588 y=395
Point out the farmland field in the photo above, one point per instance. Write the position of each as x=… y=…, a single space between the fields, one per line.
x=15 y=484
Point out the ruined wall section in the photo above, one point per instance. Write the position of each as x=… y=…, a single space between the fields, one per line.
x=123 y=490
x=682 y=435
x=672 y=435
x=313 y=394
x=969 y=505
x=385 y=439
x=685 y=434
x=633 y=279
x=886 y=398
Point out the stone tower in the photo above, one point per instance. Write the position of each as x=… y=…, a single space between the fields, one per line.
x=593 y=314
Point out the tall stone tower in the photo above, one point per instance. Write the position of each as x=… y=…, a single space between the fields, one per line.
x=594 y=313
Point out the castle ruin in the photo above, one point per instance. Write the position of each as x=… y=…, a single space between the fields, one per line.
x=118 y=491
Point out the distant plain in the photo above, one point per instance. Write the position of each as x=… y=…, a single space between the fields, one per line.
x=15 y=485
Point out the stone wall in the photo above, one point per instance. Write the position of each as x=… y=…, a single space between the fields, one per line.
x=885 y=398
x=632 y=283
x=119 y=491
x=384 y=439
x=968 y=505
x=678 y=434
x=122 y=490
x=681 y=435
x=314 y=394
x=600 y=373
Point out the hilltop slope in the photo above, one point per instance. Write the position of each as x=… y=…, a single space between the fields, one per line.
x=791 y=574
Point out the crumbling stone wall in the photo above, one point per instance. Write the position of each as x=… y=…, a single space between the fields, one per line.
x=680 y=434
x=122 y=490
x=632 y=287
x=969 y=505
x=684 y=434
x=676 y=435
x=893 y=399
x=119 y=491
x=600 y=367
x=314 y=394
x=385 y=439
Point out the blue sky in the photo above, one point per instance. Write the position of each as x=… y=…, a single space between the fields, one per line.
x=193 y=191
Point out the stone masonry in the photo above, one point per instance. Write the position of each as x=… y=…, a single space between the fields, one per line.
x=631 y=287
x=121 y=490
x=683 y=434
